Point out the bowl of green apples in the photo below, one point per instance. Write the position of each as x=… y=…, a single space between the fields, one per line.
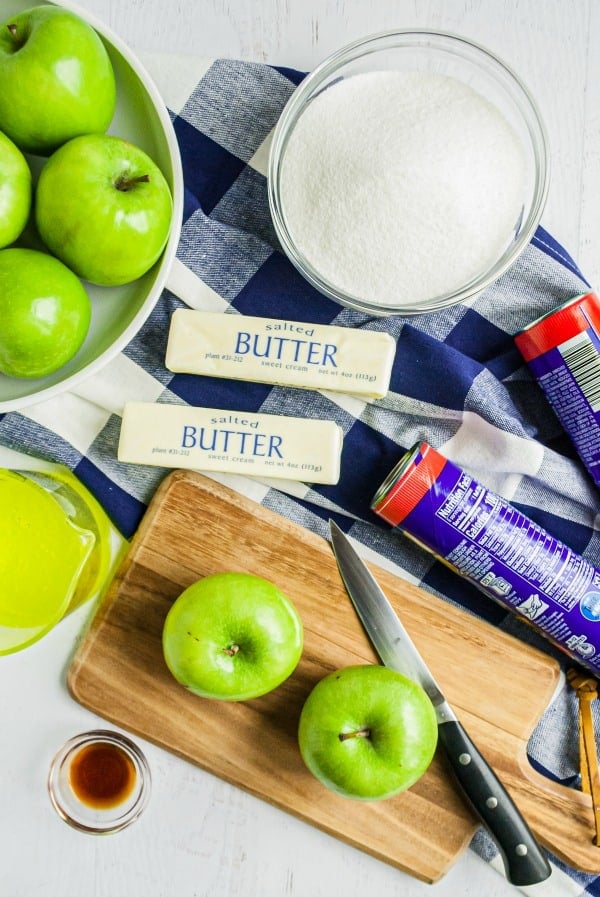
x=91 y=198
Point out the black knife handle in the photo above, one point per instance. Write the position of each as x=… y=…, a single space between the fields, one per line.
x=524 y=861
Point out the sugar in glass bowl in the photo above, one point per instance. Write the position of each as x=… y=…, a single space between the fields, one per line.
x=407 y=172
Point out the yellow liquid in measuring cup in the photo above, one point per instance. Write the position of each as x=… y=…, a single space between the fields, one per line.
x=55 y=551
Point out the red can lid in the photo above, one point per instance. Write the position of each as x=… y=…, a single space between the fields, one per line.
x=556 y=327
x=408 y=483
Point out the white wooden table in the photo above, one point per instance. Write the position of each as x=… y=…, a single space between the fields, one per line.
x=200 y=837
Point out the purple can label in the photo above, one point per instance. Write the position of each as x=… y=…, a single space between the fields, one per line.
x=570 y=377
x=506 y=555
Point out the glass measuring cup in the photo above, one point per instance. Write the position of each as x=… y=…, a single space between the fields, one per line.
x=55 y=551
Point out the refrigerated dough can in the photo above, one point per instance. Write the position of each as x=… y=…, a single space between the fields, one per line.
x=562 y=351
x=508 y=556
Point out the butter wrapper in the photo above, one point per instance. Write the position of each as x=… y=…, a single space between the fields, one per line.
x=210 y=439
x=287 y=353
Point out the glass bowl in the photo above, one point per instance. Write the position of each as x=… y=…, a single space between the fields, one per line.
x=99 y=782
x=433 y=53
x=117 y=312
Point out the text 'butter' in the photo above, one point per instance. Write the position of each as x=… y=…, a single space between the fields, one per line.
x=210 y=439
x=287 y=353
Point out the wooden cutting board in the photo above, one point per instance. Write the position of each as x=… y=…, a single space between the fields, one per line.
x=499 y=686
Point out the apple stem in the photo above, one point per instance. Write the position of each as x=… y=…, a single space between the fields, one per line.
x=125 y=183
x=365 y=732
x=232 y=650
x=14 y=32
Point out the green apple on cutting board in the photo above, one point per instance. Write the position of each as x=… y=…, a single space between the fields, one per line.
x=104 y=208
x=44 y=312
x=232 y=636
x=367 y=732
x=56 y=79
x=15 y=191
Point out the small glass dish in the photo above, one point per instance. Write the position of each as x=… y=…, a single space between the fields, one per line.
x=99 y=782
x=434 y=53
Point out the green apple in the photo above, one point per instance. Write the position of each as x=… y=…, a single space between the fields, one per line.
x=367 y=732
x=232 y=636
x=56 y=79
x=44 y=313
x=15 y=191
x=104 y=208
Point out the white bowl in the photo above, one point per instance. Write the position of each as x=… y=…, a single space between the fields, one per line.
x=117 y=312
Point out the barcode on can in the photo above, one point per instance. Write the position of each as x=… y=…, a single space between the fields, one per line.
x=581 y=357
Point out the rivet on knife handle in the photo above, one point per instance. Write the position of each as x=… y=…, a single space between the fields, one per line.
x=524 y=861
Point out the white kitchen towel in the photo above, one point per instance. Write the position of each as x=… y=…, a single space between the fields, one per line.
x=458 y=381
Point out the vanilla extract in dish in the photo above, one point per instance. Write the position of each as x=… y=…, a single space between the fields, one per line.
x=102 y=775
x=99 y=782
x=398 y=187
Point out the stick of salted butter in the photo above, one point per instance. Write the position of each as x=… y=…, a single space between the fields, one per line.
x=266 y=445
x=288 y=353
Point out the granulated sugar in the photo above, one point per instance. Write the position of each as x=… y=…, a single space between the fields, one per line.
x=401 y=186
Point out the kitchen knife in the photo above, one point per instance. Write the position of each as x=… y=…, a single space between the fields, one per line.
x=524 y=861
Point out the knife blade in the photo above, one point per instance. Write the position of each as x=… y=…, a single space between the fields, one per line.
x=524 y=861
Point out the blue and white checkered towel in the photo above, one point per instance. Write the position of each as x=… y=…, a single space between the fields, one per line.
x=458 y=382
